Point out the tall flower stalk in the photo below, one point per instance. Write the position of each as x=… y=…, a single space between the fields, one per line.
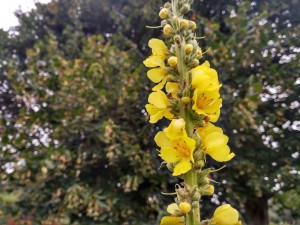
x=187 y=93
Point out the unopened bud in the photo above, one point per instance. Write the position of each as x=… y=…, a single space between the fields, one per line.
x=184 y=23
x=185 y=100
x=199 y=53
x=172 y=61
x=193 y=25
x=210 y=190
x=185 y=207
x=194 y=63
x=177 y=39
x=167 y=29
x=163 y=14
x=167 y=5
x=170 y=166
x=188 y=48
x=199 y=164
x=185 y=8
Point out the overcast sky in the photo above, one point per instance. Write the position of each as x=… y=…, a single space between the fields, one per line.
x=7 y=8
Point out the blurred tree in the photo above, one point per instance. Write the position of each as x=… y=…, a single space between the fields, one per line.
x=258 y=60
x=77 y=151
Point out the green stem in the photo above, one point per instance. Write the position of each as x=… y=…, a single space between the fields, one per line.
x=190 y=178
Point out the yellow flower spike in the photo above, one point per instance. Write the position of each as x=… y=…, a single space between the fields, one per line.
x=185 y=207
x=172 y=208
x=158 y=107
x=184 y=23
x=193 y=25
x=226 y=215
x=163 y=14
x=214 y=143
x=171 y=220
x=172 y=61
x=188 y=48
x=167 y=29
x=178 y=151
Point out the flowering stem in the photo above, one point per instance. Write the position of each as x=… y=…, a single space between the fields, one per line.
x=190 y=178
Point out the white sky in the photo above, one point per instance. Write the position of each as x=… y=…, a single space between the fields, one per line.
x=7 y=8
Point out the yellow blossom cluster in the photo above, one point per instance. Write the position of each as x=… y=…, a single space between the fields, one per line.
x=187 y=93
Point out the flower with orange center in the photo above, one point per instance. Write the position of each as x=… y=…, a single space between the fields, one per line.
x=206 y=96
x=176 y=146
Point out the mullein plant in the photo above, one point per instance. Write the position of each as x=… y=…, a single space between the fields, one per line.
x=187 y=94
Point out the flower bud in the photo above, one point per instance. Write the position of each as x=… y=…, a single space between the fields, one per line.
x=193 y=25
x=177 y=39
x=199 y=53
x=185 y=207
x=210 y=190
x=163 y=14
x=167 y=29
x=199 y=164
x=185 y=100
x=194 y=63
x=185 y=8
x=167 y=5
x=184 y=23
x=170 y=166
x=188 y=48
x=172 y=61
x=163 y=23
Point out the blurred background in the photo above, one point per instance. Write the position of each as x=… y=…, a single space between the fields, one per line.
x=76 y=144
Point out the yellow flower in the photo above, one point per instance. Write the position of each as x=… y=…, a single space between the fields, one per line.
x=205 y=78
x=206 y=96
x=214 y=143
x=158 y=107
x=176 y=147
x=226 y=215
x=159 y=54
x=171 y=220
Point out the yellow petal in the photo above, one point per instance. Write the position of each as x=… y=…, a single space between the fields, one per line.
x=200 y=81
x=176 y=129
x=156 y=117
x=151 y=109
x=220 y=153
x=160 y=85
x=226 y=215
x=215 y=139
x=170 y=155
x=154 y=61
x=156 y=75
x=203 y=131
x=182 y=167
x=171 y=220
x=172 y=208
x=161 y=140
x=172 y=88
x=159 y=99
x=168 y=115
x=158 y=47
